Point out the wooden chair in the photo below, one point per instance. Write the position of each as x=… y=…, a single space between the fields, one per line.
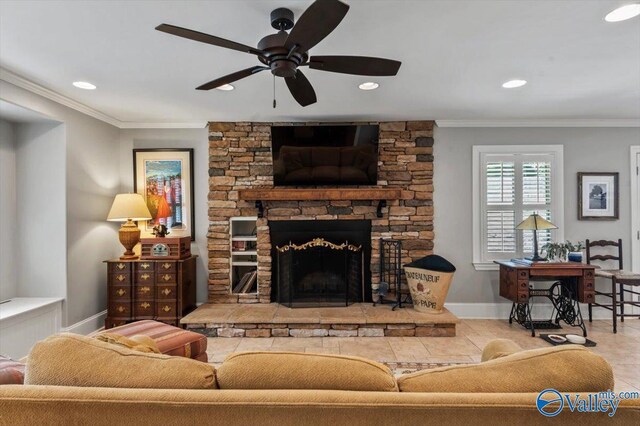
x=617 y=276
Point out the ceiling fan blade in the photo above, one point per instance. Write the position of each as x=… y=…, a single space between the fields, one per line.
x=358 y=65
x=231 y=78
x=317 y=22
x=206 y=38
x=301 y=89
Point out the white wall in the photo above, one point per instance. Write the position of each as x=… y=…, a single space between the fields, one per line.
x=178 y=138
x=8 y=282
x=41 y=210
x=585 y=150
x=92 y=180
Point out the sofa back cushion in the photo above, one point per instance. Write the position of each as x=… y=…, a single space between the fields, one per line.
x=290 y=370
x=74 y=360
x=567 y=368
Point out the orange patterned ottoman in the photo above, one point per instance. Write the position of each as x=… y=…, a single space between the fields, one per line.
x=170 y=340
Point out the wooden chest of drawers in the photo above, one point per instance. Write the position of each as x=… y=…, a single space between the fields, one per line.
x=162 y=290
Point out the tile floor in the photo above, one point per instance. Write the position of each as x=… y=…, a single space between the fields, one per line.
x=622 y=350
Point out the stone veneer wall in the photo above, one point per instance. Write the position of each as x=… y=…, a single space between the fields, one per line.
x=240 y=157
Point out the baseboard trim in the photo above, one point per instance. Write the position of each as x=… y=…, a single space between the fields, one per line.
x=87 y=325
x=502 y=311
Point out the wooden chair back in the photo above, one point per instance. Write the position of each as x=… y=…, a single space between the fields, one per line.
x=604 y=257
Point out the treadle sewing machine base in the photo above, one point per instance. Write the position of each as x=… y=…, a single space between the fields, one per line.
x=575 y=284
x=565 y=308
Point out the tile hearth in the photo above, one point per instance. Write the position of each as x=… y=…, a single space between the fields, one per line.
x=357 y=320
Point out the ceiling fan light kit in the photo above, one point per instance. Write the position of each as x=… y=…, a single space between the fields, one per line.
x=283 y=53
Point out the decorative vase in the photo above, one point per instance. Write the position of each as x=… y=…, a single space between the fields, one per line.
x=575 y=256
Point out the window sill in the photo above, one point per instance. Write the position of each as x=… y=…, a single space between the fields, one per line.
x=486 y=266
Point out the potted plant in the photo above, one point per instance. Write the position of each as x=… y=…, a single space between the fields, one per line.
x=563 y=252
x=575 y=251
x=556 y=252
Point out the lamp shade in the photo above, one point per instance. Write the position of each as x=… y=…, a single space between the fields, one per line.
x=535 y=222
x=128 y=206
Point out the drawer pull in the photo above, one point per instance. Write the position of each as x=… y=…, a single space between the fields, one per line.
x=121 y=309
x=166 y=277
x=145 y=277
x=121 y=292
x=120 y=277
x=145 y=266
x=166 y=292
x=166 y=308
x=145 y=289
x=121 y=266
x=145 y=305
x=166 y=265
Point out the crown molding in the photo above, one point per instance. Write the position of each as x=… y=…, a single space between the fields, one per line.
x=587 y=122
x=19 y=81
x=133 y=125
x=16 y=80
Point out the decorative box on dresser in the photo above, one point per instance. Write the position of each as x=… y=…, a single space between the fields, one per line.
x=162 y=290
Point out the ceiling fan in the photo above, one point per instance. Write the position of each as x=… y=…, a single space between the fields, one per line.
x=283 y=53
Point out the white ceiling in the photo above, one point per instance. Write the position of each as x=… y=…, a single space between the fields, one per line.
x=455 y=55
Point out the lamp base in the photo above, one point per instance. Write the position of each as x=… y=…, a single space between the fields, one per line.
x=129 y=236
x=536 y=258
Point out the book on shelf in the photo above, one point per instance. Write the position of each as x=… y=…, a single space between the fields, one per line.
x=241 y=283
x=250 y=282
x=246 y=283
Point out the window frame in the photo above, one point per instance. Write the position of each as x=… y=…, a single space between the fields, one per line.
x=479 y=205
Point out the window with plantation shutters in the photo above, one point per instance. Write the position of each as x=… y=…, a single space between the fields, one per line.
x=511 y=183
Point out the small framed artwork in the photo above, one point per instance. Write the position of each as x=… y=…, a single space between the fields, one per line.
x=598 y=196
x=164 y=177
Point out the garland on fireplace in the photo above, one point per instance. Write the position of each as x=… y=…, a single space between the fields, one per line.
x=319 y=242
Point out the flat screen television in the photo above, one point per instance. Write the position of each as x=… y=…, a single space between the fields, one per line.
x=331 y=155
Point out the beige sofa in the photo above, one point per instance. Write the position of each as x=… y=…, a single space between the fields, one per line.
x=104 y=384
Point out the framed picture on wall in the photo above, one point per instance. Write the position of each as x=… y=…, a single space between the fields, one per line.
x=164 y=177
x=598 y=196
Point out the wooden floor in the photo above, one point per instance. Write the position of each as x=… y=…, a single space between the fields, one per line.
x=622 y=350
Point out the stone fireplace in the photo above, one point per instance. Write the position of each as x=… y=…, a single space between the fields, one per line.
x=240 y=159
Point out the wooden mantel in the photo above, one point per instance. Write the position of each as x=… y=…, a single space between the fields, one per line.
x=311 y=194
x=334 y=194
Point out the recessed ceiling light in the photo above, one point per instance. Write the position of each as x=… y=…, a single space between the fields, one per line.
x=369 y=85
x=225 y=87
x=512 y=84
x=84 y=85
x=623 y=13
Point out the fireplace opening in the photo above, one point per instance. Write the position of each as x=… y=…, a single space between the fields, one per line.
x=321 y=263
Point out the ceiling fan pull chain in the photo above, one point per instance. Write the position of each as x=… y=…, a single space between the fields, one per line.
x=274 y=91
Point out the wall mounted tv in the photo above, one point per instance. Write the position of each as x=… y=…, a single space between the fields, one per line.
x=331 y=155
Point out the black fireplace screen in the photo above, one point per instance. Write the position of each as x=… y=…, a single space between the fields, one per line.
x=319 y=273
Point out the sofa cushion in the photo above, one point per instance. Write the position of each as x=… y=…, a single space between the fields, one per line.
x=325 y=156
x=292 y=161
x=291 y=370
x=363 y=160
x=326 y=174
x=567 y=368
x=11 y=372
x=353 y=175
x=498 y=348
x=74 y=360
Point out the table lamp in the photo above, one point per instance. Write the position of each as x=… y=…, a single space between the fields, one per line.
x=534 y=223
x=127 y=208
